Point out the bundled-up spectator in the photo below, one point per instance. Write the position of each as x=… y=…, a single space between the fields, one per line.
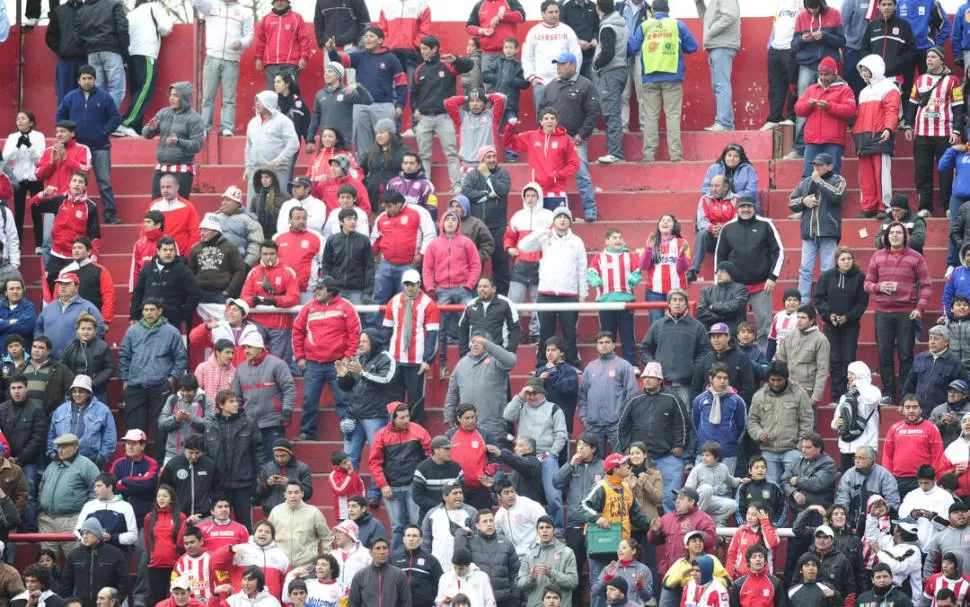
x=948 y=415
x=857 y=416
x=473 y=227
x=180 y=219
x=826 y=107
x=234 y=329
x=57 y=322
x=348 y=259
x=181 y=133
x=718 y=415
x=677 y=341
x=62 y=38
x=468 y=449
x=342 y=175
x=136 y=474
x=487 y=188
x=874 y=134
x=282 y=42
x=95 y=566
x=473 y=380
x=48 y=379
x=184 y=414
x=67 y=484
x=414 y=322
x=810 y=479
x=738 y=172
x=103 y=26
x=722 y=40
x=770 y=424
x=271 y=139
x=24 y=422
x=117 y=517
x=714 y=210
x=524 y=277
x=581 y=16
x=683 y=521
x=96 y=286
x=888 y=36
x=494 y=22
x=607 y=384
x=548 y=562
x=502 y=73
x=806 y=351
x=725 y=301
x=273 y=284
x=229 y=30
x=301 y=249
x=267 y=389
x=90 y=355
x=543 y=44
x=841 y=300
x=334 y=104
x=217 y=265
x=59 y=162
x=302 y=531
x=610 y=63
x=553 y=158
x=236 y=444
x=240 y=226
x=493 y=553
x=434 y=476
x=865 y=478
x=933 y=370
x=899 y=211
x=17 y=313
x=343 y=21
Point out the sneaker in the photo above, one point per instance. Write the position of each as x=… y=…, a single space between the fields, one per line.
x=924 y=213
x=717 y=128
x=886 y=400
x=607 y=159
x=691 y=276
x=768 y=126
x=795 y=216
x=589 y=218
x=794 y=155
x=786 y=122
x=112 y=221
x=226 y=132
x=866 y=215
x=119 y=132
x=38 y=250
x=676 y=159
x=949 y=270
x=31 y=22
x=128 y=131
x=408 y=133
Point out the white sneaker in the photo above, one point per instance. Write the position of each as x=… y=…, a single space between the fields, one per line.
x=130 y=132
x=607 y=159
x=226 y=133
x=786 y=122
x=793 y=155
x=949 y=270
x=38 y=250
x=948 y=213
x=456 y=189
x=31 y=22
x=795 y=216
x=769 y=126
x=717 y=128
x=924 y=213
x=119 y=132
x=408 y=133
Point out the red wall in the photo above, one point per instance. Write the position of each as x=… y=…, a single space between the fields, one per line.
x=750 y=90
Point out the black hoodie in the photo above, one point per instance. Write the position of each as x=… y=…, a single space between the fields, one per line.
x=374 y=388
x=841 y=294
x=173 y=283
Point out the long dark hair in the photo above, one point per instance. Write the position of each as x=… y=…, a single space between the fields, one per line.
x=339 y=142
x=658 y=238
x=287 y=77
x=153 y=517
x=393 y=143
x=737 y=147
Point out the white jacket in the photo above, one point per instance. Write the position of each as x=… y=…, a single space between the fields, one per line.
x=542 y=45
x=147 y=24
x=562 y=270
x=270 y=139
x=350 y=563
x=906 y=562
x=225 y=23
x=128 y=538
x=867 y=404
x=263 y=599
x=11 y=241
x=936 y=500
x=316 y=212
x=518 y=524
x=23 y=160
x=474 y=584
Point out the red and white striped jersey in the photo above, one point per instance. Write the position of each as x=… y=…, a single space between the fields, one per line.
x=935 y=119
x=425 y=317
x=664 y=276
x=199 y=572
x=938 y=581
x=614 y=269
x=781 y=324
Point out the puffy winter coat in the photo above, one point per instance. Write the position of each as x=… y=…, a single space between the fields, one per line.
x=826 y=125
x=552 y=157
x=236 y=444
x=91 y=568
x=93 y=359
x=495 y=555
x=878 y=110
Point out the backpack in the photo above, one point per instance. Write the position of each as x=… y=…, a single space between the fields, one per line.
x=854 y=424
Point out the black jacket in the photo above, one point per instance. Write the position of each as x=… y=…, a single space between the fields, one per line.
x=660 y=420
x=25 y=426
x=295 y=470
x=838 y=293
x=500 y=324
x=375 y=387
x=888 y=597
x=349 y=260
x=429 y=479
x=434 y=81
x=836 y=571
x=754 y=246
x=61 y=36
x=496 y=556
x=423 y=572
x=193 y=483
x=577 y=103
x=846 y=542
x=505 y=76
x=723 y=303
x=173 y=283
x=236 y=445
x=88 y=570
x=892 y=40
x=380 y=166
x=740 y=372
x=102 y=25
x=53 y=600
x=526 y=474
x=344 y=20
x=94 y=360
x=811 y=595
x=384 y=586
x=492 y=210
x=825 y=219
x=584 y=20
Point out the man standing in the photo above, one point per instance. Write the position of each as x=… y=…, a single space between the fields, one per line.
x=301 y=530
x=574 y=98
x=60 y=161
x=302 y=250
x=273 y=284
x=934 y=370
x=900 y=281
x=480 y=377
x=57 y=321
x=96 y=286
x=229 y=30
x=826 y=108
x=578 y=476
x=24 y=423
x=451 y=518
x=266 y=387
x=381 y=583
x=724 y=350
x=755 y=247
x=413 y=320
x=326 y=330
x=103 y=26
x=722 y=39
x=542 y=45
x=434 y=475
x=422 y=569
x=610 y=62
x=548 y=561
x=492 y=314
x=276 y=474
x=67 y=485
x=181 y=220
x=487 y=187
x=660 y=71
x=342 y=20
x=48 y=379
x=677 y=341
x=236 y=444
x=493 y=22
x=347 y=258
x=757 y=586
x=181 y=134
x=817 y=200
x=400 y=237
x=771 y=423
x=494 y=554
x=607 y=384
x=271 y=140
x=96 y=114
x=910 y=442
x=282 y=43
x=781 y=59
x=62 y=38
x=468 y=449
x=806 y=351
x=583 y=18
x=95 y=565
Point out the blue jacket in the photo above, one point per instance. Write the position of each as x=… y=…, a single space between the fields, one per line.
x=929 y=377
x=26 y=316
x=731 y=428
x=854 y=20
x=57 y=322
x=960 y=37
x=380 y=73
x=928 y=21
x=150 y=356
x=137 y=481
x=957 y=284
x=688 y=45
x=960 y=165
x=562 y=386
x=96 y=116
x=743 y=183
x=759 y=362
x=98 y=435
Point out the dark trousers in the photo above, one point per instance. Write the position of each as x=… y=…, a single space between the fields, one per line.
x=905 y=484
x=620 y=324
x=185 y=184
x=576 y=539
x=843 y=341
x=547 y=328
x=927 y=152
x=65 y=75
x=159 y=579
x=500 y=263
x=144 y=75
x=781 y=102
x=894 y=333
x=852 y=75
x=53 y=268
x=33 y=9
x=909 y=79
x=143 y=404
x=20 y=194
x=411 y=386
x=478 y=498
x=241 y=501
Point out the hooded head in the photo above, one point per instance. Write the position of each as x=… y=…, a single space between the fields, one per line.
x=863 y=375
x=706 y=564
x=377 y=343
x=184 y=90
x=441 y=222
x=876 y=67
x=257 y=180
x=963 y=255
x=269 y=100
x=532 y=186
x=464 y=203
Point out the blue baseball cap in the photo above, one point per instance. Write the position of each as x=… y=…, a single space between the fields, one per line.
x=565 y=58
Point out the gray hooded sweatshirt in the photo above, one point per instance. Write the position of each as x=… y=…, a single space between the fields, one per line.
x=950 y=539
x=271 y=139
x=482 y=380
x=186 y=124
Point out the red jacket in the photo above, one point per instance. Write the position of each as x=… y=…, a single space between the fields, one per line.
x=399 y=238
x=77 y=157
x=326 y=332
x=673 y=527
x=342 y=487
x=487 y=10
x=73 y=217
x=395 y=454
x=302 y=251
x=878 y=107
x=274 y=47
x=218 y=536
x=908 y=446
x=468 y=450
x=450 y=262
x=758 y=590
x=404 y=23
x=279 y=283
x=144 y=250
x=162 y=542
x=744 y=538
x=828 y=124
x=181 y=222
x=331 y=186
x=719 y=212
x=552 y=158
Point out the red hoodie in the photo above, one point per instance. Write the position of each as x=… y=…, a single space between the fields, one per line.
x=74 y=216
x=405 y=23
x=344 y=486
x=282 y=39
x=279 y=283
x=828 y=124
x=744 y=538
x=143 y=252
x=552 y=158
x=452 y=261
x=162 y=541
x=57 y=174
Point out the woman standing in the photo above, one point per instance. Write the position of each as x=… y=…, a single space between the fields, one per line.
x=21 y=153
x=648 y=489
x=290 y=102
x=148 y=23
x=163 y=542
x=384 y=159
x=740 y=173
x=857 y=416
x=664 y=262
x=638 y=576
x=841 y=300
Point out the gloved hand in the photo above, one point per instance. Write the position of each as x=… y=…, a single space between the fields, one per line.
x=268 y=301
x=23 y=141
x=347 y=425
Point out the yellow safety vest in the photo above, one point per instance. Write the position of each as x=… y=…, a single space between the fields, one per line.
x=660 y=50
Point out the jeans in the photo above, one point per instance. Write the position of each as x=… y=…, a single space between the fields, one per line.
x=672 y=471
x=606 y=436
x=442 y=127
x=281 y=346
x=610 y=87
x=824 y=250
x=778 y=462
x=550 y=466
x=364 y=431
x=144 y=75
x=213 y=72
x=449 y=320
x=65 y=76
x=547 y=328
x=655 y=313
x=365 y=118
x=760 y=303
x=806 y=78
x=850 y=70
x=781 y=104
x=703 y=244
x=721 y=61
x=633 y=87
x=620 y=324
x=518 y=291
x=314 y=377
x=719 y=507
x=30 y=516
x=814 y=149
x=538 y=98
x=143 y=404
x=270 y=435
x=101 y=163
x=109 y=71
x=401 y=512
x=584 y=182
x=387 y=284
x=279 y=68
x=895 y=332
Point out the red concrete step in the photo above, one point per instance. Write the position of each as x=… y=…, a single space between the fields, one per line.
x=787 y=173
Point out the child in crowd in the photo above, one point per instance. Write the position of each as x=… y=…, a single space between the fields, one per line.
x=679 y=575
x=478 y=118
x=877 y=530
x=783 y=322
x=504 y=75
x=347 y=199
x=153 y=228
x=614 y=273
x=951 y=576
x=344 y=483
x=757 y=529
x=714 y=483
x=759 y=490
x=16 y=355
x=473 y=79
x=524 y=279
x=748 y=343
x=958 y=324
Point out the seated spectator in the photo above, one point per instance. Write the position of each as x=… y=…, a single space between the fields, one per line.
x=303 y=198
x=739 y=174
x=95 y=568
x=17 y=313
x=67 y=484
x=322 y=578
x=181 y=220
x=724 y=302
x=278 y=472
x=90 y=355
x=933 y=370
x=181 y=595
x=865 y=478
x=39 y=586
x=216 y=373
x=332 y=143
x=261 y=554
x=234 y=328
x=758 y=489
x=240 y=226
x=168 y=279
x=191 y=474
x=98 y=438
x=948 y=414
x=218 y=268
x=48 y=379
x=57 y=322
x=184 y=414
x=715 y=208
x=714 y=482
x=415 y=184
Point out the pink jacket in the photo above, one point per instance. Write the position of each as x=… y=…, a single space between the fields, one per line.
x=673 y=527
x=450 y=262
